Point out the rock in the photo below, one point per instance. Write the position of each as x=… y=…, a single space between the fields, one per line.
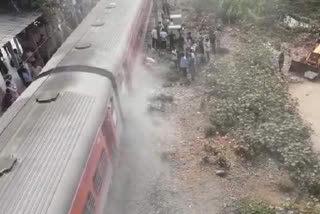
x=242 y=151
x=208 y=160
x=295 y=79
x=221 y=173
x=310 y=75
x=163 y=98
x=156 y=107
x=167 y=85
x=205 y=160
x=291 y=212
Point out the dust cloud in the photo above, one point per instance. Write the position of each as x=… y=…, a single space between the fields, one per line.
x=143 y=183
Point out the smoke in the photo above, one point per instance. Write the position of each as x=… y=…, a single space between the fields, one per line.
x=140 y=163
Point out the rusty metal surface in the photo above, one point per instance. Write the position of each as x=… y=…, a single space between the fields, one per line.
x=11 y=25
x=301 y=67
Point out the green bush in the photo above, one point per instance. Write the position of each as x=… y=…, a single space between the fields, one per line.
x=255 y=207
x=46 y=6
x=286 y=184
x=234 y=10
x=303 y=206
x=210 y=131
x=258 y=111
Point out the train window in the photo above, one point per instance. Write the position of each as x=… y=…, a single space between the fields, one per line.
x=100 y=172
x=89 y=208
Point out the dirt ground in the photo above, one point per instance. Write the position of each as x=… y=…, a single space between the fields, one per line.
x=307 y=95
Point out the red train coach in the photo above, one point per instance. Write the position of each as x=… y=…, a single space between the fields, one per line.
x=59 y=139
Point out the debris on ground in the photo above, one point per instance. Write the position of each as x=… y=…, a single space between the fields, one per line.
x=162 y=98
x=311 y=75
x=221 y=173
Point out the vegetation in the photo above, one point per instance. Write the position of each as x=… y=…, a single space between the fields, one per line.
x=255 y=207
x=303 y=206
x=237 y=10
x=293 y=206
x=252 y=104
x=47 y=6
x=286 y=184
x=231 y=10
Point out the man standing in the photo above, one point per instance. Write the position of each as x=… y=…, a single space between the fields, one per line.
x=166 y=8
x=24 y=75
x=190 y=40
x=281 y=61
x=192 y=65
x=184 y=65
x=13 y=90
x=163 y=36
x=18 y=56
x=3 y=68
x=212 y=39
x=217 y=35
x=201 y=51
x=172 y=38
x=154 y=35
x=180 y=43
x=207 y=50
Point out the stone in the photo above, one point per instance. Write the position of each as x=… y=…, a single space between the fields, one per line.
x=221 y=173
x=208 y=160
x=310 y=75
x=167 y=85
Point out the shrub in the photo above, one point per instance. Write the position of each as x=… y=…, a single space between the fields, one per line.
x=258 y=111
x=210 y=131
x=222 y=160
x=255 y=207
x=235 y=10
x=303 y=206
x=286 y=184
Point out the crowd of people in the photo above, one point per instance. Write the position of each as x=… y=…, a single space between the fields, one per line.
x=27 y=68
x=188 y=53
x=37 y=43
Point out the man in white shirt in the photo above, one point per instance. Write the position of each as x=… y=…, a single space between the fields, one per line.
x=163 y=36
x=154 y=35
x=217 y=35
x=207 y=49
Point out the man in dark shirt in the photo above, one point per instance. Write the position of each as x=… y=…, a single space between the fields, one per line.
x=7 y=100
x=281 y=61
x=172 y=38
x=3 y=68
x=212 y=38
x=201 y=51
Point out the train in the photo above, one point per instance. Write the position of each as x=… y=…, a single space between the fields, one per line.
x=59 y=141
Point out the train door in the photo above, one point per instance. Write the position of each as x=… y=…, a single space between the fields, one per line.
x=112 y=128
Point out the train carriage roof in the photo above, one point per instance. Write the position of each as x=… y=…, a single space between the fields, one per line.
x=102 y=38
x=47 y=140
